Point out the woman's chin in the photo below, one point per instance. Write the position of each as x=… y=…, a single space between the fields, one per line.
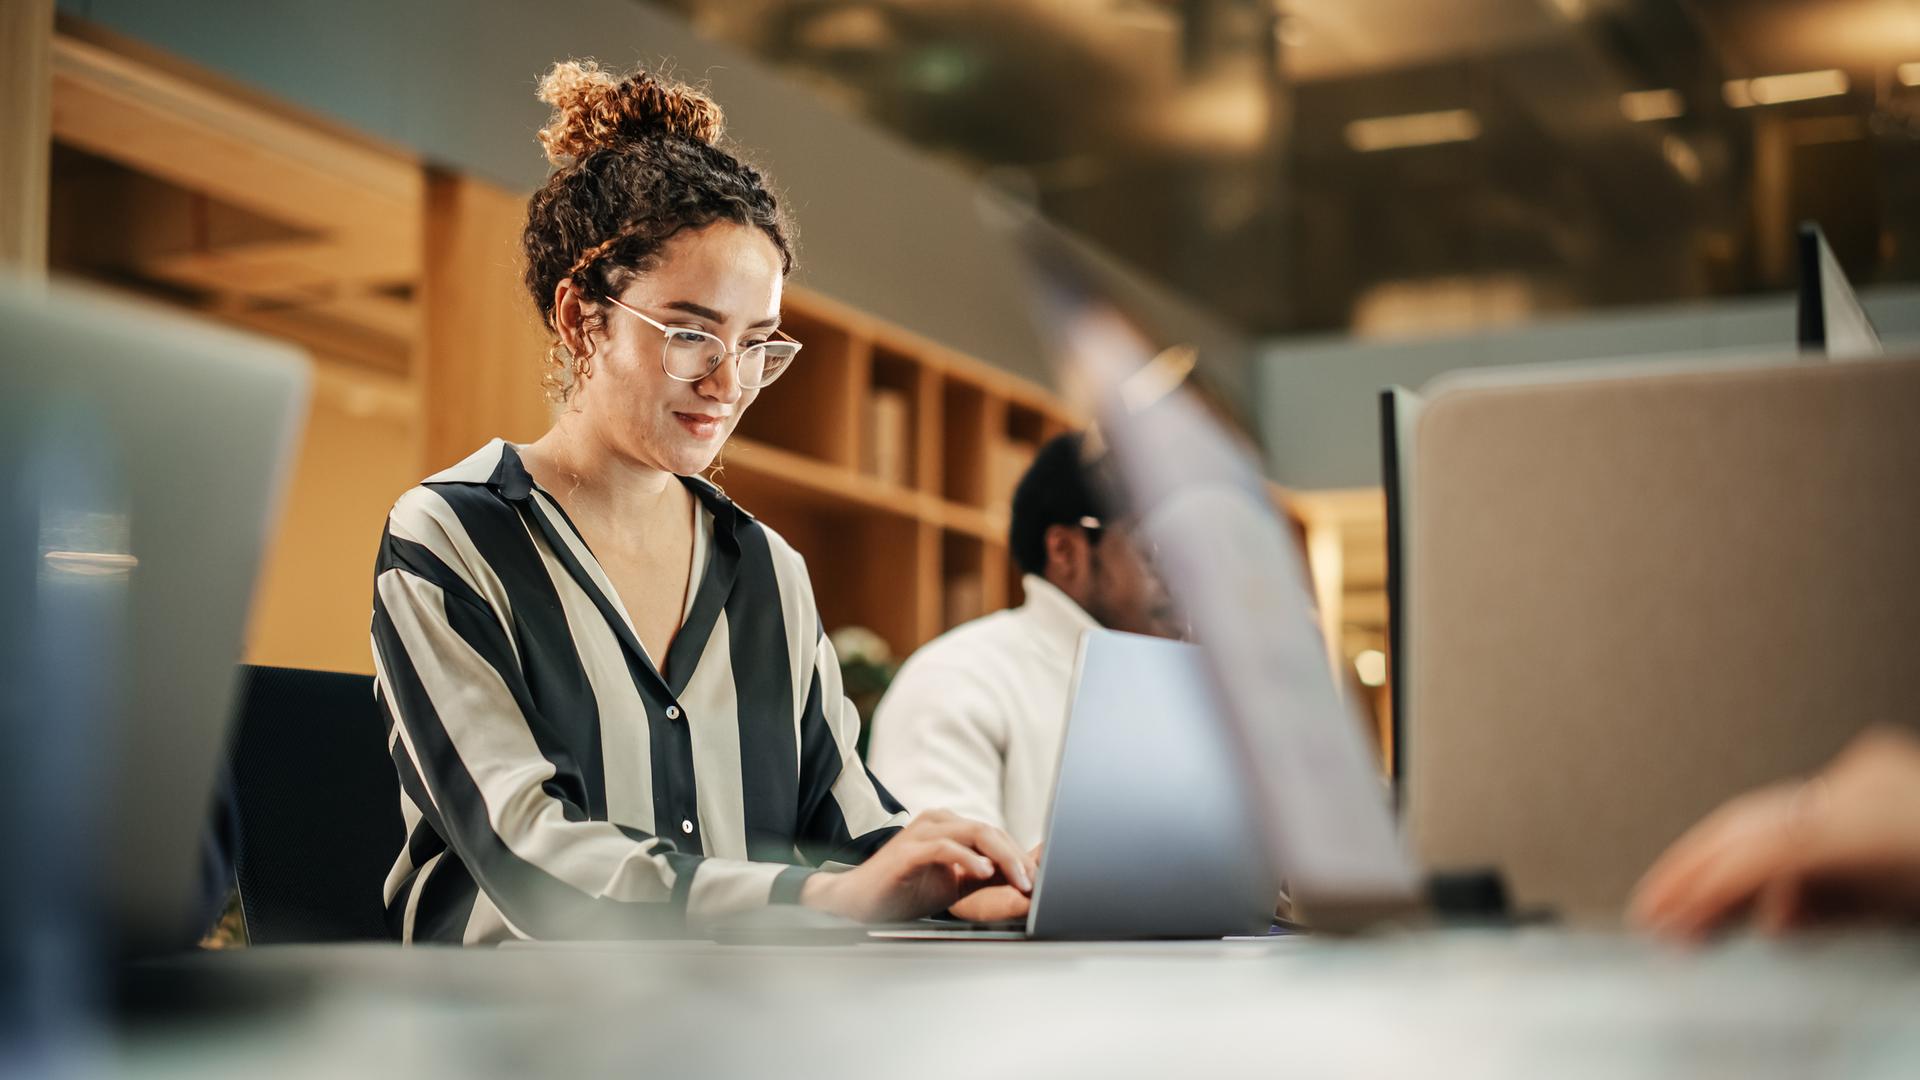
x=694 y=460
x=671 y=448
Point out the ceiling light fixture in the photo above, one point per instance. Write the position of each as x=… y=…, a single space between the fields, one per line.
x=1681 y=155
x=1909 y=74
x=1371 y=666
x=1413 y=129
x=1570 y=9
x=1641 y=106
x=1780 y=89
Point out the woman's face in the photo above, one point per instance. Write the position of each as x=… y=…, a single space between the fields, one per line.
x=724 y=279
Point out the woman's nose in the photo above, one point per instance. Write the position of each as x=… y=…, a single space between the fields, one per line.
x=722 y=384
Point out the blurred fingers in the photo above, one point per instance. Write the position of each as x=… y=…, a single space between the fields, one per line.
x=1712 y=885
x=1779 y=907
x=1741 y=836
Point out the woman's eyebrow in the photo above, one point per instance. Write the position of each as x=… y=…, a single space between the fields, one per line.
x=699 y=310
x=707 y=313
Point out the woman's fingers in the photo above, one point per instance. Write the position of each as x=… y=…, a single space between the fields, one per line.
x=981 y=838
x=954 y=853
x=998 y=846
x=992 y=904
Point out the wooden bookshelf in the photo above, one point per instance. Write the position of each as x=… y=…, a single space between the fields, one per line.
x=876 y=455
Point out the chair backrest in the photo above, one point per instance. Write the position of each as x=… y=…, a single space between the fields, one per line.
x=319 y=806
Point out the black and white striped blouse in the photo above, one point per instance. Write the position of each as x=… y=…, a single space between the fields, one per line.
x=554 y=785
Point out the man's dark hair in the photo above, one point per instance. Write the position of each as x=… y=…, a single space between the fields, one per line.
x=1059 y=488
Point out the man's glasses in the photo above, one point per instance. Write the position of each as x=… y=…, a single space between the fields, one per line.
x=691 y=355
x=1147 y=549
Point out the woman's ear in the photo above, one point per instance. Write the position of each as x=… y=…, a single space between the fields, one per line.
x=570 y=319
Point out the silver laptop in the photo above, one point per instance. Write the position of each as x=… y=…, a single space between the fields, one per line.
x=1151 y=833
x=142 y=459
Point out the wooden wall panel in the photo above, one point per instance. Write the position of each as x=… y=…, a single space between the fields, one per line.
x=26 y=118
x=485 y=346
x=315 y=598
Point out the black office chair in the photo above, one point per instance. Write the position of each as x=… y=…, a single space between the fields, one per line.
x=319 y=806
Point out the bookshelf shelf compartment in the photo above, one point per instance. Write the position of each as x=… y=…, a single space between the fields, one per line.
x=894 y=419
x=814 y=409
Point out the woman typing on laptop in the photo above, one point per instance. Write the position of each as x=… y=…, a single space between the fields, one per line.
x=610 y=701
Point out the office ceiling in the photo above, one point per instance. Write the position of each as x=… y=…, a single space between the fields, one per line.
x=1213 y=143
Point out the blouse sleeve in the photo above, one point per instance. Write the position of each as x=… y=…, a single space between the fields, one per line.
x=845 y=812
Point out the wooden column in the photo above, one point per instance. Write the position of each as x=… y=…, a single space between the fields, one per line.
x=484 y=342
x=26 y=121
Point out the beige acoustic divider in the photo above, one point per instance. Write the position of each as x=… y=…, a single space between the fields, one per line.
x=1632 y=597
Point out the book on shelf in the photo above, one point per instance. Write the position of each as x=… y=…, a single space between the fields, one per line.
x=1007 y=463
x=885 y=451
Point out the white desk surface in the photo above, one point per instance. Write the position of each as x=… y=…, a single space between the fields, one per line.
x=1530 y=1004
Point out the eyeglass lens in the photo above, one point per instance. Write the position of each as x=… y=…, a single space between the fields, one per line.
x=692 y=355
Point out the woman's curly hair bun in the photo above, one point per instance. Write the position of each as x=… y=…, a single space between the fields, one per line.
x=595 y=108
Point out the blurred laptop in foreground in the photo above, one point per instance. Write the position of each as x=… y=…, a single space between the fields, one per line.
x=1236 y=574
x=142 y=456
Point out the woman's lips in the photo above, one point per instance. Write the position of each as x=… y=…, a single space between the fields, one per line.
x=700 y=425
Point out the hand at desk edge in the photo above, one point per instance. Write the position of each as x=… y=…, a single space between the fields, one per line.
x=1843 y=845
x=932 y=865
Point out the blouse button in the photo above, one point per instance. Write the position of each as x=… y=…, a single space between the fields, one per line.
x=686 y=826
x=673 y=712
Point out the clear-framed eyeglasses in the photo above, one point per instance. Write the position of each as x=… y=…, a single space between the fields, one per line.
x=691 y=355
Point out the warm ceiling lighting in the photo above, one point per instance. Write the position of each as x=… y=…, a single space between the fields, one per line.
x=1572 y=9
x=1643 y=105
x=1413 y=129
x=1909 y=74
x=1780 y=89
x=1681 y=155
x=1371 y=666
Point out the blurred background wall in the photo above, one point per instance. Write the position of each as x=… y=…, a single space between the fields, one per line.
x=882 y=225
x=1317 y=394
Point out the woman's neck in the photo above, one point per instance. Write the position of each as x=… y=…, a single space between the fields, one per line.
x=597 y=482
